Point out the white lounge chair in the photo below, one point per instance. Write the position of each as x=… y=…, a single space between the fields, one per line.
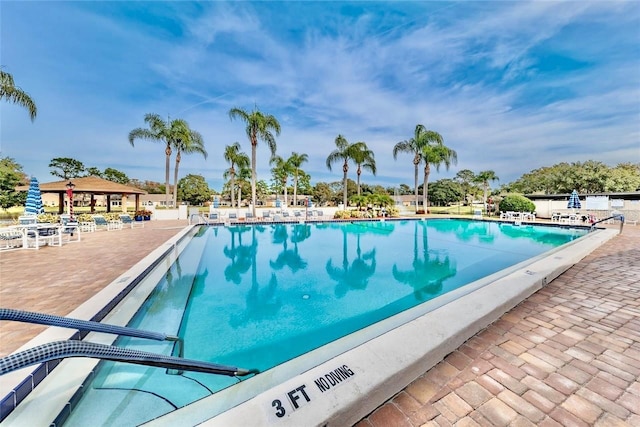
x=11 y=238
x=127 y=221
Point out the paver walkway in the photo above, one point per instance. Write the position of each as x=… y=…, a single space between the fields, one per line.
x=56 y=280
x=568 y=355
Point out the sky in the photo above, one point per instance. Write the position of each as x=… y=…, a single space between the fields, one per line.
x=510 y=86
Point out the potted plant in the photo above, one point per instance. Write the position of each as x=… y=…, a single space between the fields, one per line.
x=142 y=215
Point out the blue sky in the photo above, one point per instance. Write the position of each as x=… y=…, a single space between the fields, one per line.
x=511 y=86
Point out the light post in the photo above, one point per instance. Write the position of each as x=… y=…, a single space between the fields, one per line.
x=70 y=187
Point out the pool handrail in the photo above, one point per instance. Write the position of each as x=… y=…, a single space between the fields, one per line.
x=614 y=217
x=83 y=325
x=72 y=348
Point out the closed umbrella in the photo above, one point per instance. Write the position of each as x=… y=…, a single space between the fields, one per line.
x=216 y=202
x=574 y=201
x=34 y=199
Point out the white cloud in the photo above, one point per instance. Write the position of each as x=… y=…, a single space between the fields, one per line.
x=475 y=72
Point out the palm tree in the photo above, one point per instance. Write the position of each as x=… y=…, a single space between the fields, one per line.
x=12 y=93
x=412 y=146
x=166 y=132
x=344 y=152
x=435 y=153
x=234 y=156
x=296 y=160
x=364 y=159
x=188 y=142
x=483 y=178
x=259 y=126
x=281 y=170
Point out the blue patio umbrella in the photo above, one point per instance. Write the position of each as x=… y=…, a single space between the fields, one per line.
x=216 y=202
x=34 y=199
x=574 y=201
x=278 y=203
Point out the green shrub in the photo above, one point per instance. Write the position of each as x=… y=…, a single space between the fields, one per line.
x=85 y=217
x=342 y=215
x=393 y=211
x=516 y=203
x=48 y=218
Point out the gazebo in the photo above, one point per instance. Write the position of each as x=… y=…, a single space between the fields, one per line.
x=89 y=185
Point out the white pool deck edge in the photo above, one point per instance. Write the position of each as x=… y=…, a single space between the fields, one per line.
x=378 y=369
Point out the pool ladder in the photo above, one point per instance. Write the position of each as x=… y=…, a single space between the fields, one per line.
x=74 y=348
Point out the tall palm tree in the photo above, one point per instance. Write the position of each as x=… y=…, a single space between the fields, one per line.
x=296 y=160
x=435 y=153
x=483 y=178
x=281 y=170
x=364 y=159
x=343 y=153
x=413 y=146
x=166 y=132
x=235 y=157
x=12 y=93
x=259 y=126
x=188 y=142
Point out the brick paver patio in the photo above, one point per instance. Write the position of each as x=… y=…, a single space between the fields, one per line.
x=568 y=355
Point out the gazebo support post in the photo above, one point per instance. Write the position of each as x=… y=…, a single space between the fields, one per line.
x=61 y=202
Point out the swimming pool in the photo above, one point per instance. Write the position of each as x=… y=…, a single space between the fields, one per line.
x=270 y=293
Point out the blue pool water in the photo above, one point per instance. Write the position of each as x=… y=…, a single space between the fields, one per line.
x=258 y=296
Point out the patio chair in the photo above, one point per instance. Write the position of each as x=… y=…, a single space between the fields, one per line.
x=11 y=238
x=214 y=217
x=71 y=230
x=27 y=220
x=106 y=225
x=266 y=216
x=250 y=216
x=127 y=221
x=42 y=234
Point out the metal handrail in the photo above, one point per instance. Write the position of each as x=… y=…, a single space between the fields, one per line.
x=201 y=219
x=83 y=325
x=615 y=216
x=65 y=349
x=73 y=348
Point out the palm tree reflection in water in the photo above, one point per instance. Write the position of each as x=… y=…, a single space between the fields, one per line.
x=240 y=255
x=429 y=272
x=290 y=258
x=355 y=275
x=261 y=303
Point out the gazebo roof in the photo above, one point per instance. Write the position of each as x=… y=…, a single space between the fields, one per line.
x=88 y=184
